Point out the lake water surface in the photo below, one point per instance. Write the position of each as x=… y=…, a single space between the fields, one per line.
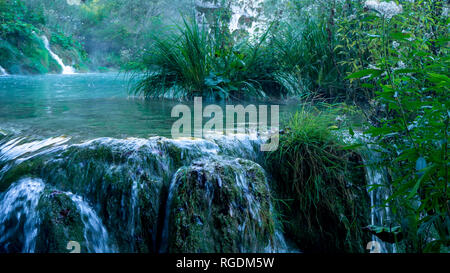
x=85 y=106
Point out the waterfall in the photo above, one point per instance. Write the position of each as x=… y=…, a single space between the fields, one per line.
x=376 y=176
x=165 y=232
x=17 y=150
x=18 y=214
x=380 y=215
x=3 y=71
x=116 y=186
x=247 y=211
x=19 y=218
x=66 y=69
x=95 y=233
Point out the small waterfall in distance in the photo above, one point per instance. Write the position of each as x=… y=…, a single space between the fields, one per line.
x=66 y=69
x=3 y=71
x=380 y=214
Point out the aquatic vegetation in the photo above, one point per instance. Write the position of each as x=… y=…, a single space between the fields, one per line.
x=286 y=60
x=322 y=190
x=305 y=53
x=191 y=61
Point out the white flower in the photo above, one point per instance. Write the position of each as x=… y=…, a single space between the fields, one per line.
x=386 y=9
x=410 y=38
x=395 y=44
x=352 y=17
x=401 y=65
x=74 y=2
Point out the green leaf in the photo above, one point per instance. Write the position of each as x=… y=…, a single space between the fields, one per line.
x=352 y=147
x=438 y=78
x=350 y=131
x=365 y=72
x=400 y=35
x=415 y=188
x=368 y=85
x=404 y=71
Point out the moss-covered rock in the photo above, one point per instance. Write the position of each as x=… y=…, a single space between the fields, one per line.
x=220 y=204
x=126 y=181
x=121 y=179
x=60 y=223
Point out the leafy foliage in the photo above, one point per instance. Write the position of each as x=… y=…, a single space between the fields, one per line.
x=410 y=77
x=22 y=50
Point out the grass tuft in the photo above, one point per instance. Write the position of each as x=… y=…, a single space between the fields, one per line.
x=321 y=182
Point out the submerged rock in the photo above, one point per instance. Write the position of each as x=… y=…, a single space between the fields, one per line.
x=220 y=204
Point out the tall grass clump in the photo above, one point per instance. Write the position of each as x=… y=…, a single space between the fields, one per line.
x=192 y=60
x=321 y=185
x=306 y=56
x=179 y=60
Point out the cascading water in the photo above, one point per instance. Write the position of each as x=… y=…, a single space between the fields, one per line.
x=377 y=186
x=123 y=180
x=3 y=72
x=94 y=231
x=19 y=219
x=165 y=232
x=17 y=150
x=66 y=69
x=376 y=180
x=245 y=217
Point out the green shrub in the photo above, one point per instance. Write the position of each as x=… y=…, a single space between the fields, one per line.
x=409 y=59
